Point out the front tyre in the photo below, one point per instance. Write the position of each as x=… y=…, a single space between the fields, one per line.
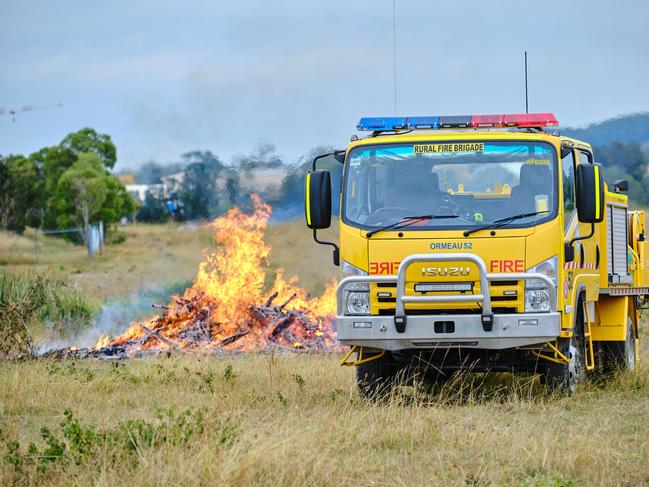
x=376 y=379
x=564 y=378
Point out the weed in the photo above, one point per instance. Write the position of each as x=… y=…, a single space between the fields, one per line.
x=228 y=373
x=206 y=380
x=282 y=399
x=333 y=395
x=81 y=444
x=299 y=380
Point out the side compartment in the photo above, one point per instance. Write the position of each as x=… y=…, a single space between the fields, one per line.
x=639 y=248
x=611 y=313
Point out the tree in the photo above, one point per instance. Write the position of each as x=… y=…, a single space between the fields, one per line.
x=52 y=162
x=194 y=193
x=153 y=209
x=20 y=193
x=232 y=188
x=86 y=193
x=88 y=140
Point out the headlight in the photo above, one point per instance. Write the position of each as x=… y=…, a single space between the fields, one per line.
x=357 y=302
x=357 y=294
x=537 y=294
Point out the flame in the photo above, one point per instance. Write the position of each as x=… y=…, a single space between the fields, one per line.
x=103 y=341
x=231 y=304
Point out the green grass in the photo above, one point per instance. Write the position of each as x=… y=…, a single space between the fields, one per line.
x=297 y=420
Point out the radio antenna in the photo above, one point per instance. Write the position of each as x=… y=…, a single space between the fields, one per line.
x=394 y=49
x=527 y=107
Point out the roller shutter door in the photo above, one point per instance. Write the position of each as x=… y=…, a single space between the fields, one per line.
x=616 y=240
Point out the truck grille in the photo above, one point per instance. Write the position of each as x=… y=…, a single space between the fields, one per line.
x=506 y=297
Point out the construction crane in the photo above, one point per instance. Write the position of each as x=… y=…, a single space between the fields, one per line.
x=12 y=112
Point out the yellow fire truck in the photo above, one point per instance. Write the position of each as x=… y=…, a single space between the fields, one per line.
x=482 y=243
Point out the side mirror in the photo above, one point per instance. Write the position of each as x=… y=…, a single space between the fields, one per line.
x=589 y=192
x=317 y=199
x=621 y=185
x=568 y=252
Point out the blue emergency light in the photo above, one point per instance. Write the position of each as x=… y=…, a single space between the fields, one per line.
x=423 y=122
x=382 y=123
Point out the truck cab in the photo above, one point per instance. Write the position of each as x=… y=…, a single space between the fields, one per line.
x=476 y=243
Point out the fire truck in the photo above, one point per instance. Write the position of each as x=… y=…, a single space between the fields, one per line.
x=485 y=243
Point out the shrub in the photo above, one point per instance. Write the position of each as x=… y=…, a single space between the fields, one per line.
x=30 y=298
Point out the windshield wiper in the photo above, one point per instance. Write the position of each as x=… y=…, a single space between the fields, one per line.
x=408 y=220
x=502 y=222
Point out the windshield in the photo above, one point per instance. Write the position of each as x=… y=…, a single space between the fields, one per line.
x=479 y=182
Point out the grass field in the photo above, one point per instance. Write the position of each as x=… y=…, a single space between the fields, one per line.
x=297 y=420
x=286 y=419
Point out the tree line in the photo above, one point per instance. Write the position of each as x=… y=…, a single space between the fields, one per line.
x=626 y=161
x=72 y=185
x=66 y=185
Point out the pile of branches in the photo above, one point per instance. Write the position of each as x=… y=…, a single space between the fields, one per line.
x=187 y=324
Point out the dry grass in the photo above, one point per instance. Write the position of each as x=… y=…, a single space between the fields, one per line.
x=297 y=420
x=295 y=251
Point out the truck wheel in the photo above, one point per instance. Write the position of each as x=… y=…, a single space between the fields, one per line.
x=563 y=378
x=618 y=356
x=376 y=379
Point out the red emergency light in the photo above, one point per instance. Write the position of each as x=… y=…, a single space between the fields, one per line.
x=522 y=120
x=529 y=120
x=487 y=121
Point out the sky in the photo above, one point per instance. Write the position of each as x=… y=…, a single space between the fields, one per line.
x=164 y=77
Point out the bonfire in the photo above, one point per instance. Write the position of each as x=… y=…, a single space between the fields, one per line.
x=230 y=306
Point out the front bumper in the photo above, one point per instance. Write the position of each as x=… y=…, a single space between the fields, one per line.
x=509 y=331
x=481 y=331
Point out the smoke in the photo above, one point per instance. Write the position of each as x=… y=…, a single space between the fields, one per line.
x=116 y=315
x=261 y=171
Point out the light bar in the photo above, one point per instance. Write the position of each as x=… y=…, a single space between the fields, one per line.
x=520 y=120
x=437 y=287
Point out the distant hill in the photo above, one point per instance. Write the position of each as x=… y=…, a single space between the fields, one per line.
x=626 y=128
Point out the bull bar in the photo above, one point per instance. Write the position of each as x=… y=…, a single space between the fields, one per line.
x=485 y=330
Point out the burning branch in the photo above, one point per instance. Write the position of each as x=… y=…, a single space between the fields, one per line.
x=164 y=340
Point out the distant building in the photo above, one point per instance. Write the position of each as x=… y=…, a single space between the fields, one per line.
x=264 y=180
x=172 y=182
x=139 y=191
x=127 y=178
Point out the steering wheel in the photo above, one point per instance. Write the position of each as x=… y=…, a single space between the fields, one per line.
x=387 y=215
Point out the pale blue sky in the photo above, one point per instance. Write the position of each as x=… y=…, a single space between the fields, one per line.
x=166 y=77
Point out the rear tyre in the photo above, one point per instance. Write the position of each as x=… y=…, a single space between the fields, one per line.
x=564 y=378
x=377 y=379
x=620 y=356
